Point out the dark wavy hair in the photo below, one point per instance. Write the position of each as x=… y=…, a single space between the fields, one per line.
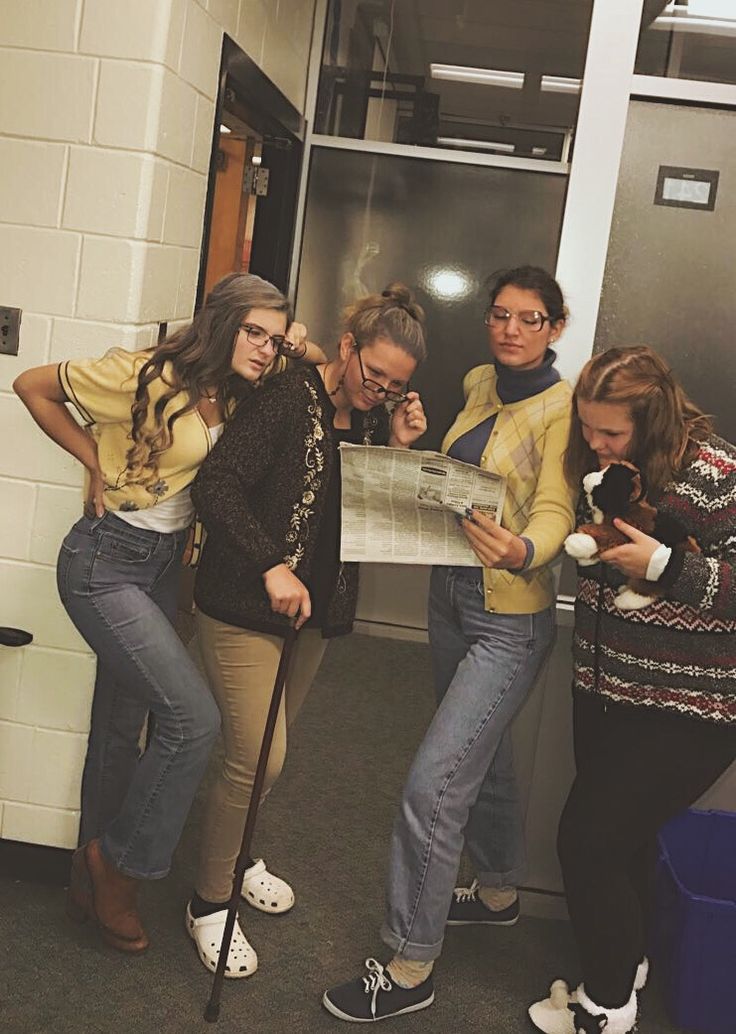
x=530 y=278
x=667 y=424
x=197 y=359
x=393 y=314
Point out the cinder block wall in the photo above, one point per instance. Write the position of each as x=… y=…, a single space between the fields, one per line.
x=106 y=118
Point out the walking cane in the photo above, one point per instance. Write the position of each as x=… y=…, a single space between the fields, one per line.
x=212 y=1010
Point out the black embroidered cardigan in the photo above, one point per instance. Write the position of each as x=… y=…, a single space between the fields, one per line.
x=260 y=495
x=678 y=653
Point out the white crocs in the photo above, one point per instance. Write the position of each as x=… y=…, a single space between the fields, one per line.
x=206 y=933
x=264 y=891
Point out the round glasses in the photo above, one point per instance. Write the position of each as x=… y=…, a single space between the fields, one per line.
x=378 y=389
x=531 y=319
x=281 y=345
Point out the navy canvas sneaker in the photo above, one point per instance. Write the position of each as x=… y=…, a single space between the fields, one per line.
x=467 y=909
x=376 y=997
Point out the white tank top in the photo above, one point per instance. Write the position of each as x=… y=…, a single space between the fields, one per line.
x=172 y=514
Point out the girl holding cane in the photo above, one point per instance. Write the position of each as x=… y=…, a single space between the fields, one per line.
x=269 y=497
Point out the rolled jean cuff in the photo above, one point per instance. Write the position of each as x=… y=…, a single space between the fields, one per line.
x=407 y=949
x=502 y=880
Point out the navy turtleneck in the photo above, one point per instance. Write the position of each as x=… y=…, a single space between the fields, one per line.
x=512 y=385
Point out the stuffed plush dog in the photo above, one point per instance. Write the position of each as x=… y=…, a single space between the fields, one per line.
x=617 y=491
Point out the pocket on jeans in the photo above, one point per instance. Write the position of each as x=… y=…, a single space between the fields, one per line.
x=66 y=558
x=118 y=551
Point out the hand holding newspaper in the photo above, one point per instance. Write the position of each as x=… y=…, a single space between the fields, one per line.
x=399 y=506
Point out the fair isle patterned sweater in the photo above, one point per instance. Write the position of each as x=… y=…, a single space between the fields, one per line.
x=679 y=653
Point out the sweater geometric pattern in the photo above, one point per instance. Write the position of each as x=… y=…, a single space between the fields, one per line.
x=679 y=652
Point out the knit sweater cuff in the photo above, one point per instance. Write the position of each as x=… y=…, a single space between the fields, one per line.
x=265 y=565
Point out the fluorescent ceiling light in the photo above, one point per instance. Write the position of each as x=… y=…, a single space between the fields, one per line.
x=449 y=284
x=486 y=145
x=560 y=84
x=486 y=76
x=708 y=17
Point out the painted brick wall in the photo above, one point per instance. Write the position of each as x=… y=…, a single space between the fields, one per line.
x=106 y=117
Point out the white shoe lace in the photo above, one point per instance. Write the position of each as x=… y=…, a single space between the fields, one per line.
x=375 y=981
x=467 y=893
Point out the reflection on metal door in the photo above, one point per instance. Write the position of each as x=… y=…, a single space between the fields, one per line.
x=670 y=279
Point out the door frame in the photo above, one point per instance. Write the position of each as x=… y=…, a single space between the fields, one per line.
x=245 y=89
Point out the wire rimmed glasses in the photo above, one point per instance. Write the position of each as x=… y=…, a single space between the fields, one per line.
x=530 y=319
x=388 y=394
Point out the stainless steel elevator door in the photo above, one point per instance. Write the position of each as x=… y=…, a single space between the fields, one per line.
x=438 y=226
x=670 y=279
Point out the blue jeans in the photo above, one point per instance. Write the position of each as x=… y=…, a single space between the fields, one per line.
x=119 y=586
x=461 y=788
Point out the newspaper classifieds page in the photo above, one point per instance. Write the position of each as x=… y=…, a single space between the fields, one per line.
x=399 y=506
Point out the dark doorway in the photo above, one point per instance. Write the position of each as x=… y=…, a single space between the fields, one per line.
x=255 y=163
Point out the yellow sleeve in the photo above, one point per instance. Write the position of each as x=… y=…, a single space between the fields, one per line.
x=103 y=390
x=552 y=516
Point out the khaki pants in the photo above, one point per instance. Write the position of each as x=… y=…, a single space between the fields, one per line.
x=241 y=667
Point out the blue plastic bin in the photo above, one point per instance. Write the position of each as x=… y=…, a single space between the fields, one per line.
x=695 y=922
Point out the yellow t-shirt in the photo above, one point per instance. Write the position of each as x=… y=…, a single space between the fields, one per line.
x=103 y=392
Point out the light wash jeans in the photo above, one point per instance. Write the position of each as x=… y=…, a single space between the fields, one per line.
x=119 y=586
x=461 y=788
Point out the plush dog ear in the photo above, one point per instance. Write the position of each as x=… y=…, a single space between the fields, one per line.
x=638 y=486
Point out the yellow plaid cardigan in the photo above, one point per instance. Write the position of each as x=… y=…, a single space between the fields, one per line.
x=526 y=446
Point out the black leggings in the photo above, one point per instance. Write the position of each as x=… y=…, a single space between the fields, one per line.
x=636 y=768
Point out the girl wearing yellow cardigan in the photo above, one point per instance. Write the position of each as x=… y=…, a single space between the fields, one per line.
x=490 y=628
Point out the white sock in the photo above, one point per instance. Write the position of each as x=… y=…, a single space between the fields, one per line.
x=497 y=898
x=407 y=973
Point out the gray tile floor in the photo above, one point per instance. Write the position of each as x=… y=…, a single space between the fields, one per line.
x=325 y=827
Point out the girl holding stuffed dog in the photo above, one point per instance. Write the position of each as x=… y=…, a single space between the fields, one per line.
x=654 y=688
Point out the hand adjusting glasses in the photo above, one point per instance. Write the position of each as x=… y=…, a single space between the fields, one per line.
x=378 y=389
x=530 y=319
x=278 y=342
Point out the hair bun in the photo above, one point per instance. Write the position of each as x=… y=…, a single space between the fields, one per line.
x=400 y=295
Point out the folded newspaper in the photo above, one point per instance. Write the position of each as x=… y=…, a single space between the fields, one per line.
x=400 y=506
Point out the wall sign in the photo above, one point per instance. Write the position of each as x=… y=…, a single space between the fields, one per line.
x=686 y=188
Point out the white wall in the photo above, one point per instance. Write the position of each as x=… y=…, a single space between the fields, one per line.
x=106 y=118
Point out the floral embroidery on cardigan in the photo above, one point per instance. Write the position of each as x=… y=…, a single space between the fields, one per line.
x=314 y=461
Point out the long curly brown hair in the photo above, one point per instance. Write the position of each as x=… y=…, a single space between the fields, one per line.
x=667 y=424
x=197 y=360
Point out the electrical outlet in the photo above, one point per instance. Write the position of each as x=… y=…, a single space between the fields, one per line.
x=9 y=330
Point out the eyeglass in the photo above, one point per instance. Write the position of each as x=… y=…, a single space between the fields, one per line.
x=497 y=316
x=279 y=343
x=378 y=389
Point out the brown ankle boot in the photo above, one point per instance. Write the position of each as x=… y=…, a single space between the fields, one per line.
x=97 y=890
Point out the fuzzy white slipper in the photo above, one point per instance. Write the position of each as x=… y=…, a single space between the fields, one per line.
x=206 y=933
x=614 y=1021
x=264 y=891
x=551 y=1015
